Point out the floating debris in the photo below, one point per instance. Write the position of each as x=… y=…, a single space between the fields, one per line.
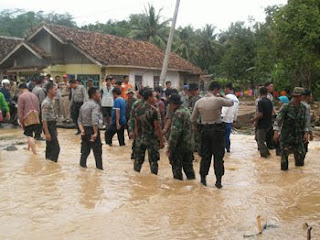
x=11 y=148
x=307 y=227
x=260 y=228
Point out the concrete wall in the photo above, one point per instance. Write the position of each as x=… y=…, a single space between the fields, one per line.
x=147 y=75
x=72 y=56
x=57 y=53
x=60 y=53
x=43 y=40
x=23 y=57
x=61 y=69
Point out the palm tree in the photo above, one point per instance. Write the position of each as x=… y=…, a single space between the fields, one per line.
x=209 y=48
x=149 y=27
x=185 y=43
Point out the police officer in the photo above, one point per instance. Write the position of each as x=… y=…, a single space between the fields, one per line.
x=212 y=131
x=180 y=140
x=148 y=132
x=292 y=129
x=39 y=92
x=78 y=97
x=65 y=101
x=49 y=123
x=89 y=126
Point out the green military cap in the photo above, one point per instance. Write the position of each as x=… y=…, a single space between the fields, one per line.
x=193 y=86
x=130 y=90
x=298 y=91
x=175 y=99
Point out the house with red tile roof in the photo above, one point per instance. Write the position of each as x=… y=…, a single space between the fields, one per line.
x=7 y=44
x=60 y=50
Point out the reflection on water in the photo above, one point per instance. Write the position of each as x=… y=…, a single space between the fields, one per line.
x=91 y=191
x=43 y=200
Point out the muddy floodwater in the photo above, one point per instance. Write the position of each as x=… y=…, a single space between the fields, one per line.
x=40 y=199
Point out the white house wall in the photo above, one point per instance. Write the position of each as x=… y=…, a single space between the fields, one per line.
x=148 y=77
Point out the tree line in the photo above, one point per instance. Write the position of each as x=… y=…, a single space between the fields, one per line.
x=284 y=49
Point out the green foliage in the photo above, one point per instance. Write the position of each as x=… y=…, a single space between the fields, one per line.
x=208 y=55
x=19 y=23
x=149 y=27
x=185 y=43
x=237 y=62
x=298 y=40
x=118 y=28
x=284 y=49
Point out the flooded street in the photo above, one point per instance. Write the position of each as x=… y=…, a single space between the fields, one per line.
x=44 y=200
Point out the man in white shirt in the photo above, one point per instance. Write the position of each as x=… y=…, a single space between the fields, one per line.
x=107 y=101
x=229 y=114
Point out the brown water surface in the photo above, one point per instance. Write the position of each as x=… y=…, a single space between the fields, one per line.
x=40 y=199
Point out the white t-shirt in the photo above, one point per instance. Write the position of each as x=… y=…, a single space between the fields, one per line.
x=229 y=114
x=107 y=97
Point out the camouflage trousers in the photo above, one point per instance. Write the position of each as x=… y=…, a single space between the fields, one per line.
x=182 y=159
x=299 y=154
x=142 y=145
x=133 y=149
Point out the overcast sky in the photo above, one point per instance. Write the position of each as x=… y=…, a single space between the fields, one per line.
x=195 y=12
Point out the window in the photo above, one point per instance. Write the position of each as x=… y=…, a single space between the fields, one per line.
x=118 y=78
x=71 y=76
x=138 y=81
x=156 y=81
x=84 y=77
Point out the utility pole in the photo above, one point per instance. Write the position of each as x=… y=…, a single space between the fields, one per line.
x=164 y=69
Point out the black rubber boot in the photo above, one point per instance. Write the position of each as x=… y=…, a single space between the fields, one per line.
x=299 y=162
x=203 y=180
x=137 y=166
x=284 y=165
x=154 y=168
x=218 y=182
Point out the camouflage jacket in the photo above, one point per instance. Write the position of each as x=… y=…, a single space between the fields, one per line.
x=129 y=104
x=291 y=122
x=145 y=115
x=191 y=102
x=180 y=132
x=131 y=121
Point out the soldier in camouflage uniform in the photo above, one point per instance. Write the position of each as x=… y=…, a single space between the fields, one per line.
x=180 y=140
x=148 y=133
x=193 y=94
x=131 y=121
x=291 y=123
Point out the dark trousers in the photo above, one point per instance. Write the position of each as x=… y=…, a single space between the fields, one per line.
x=227 y=135
x=213 y=144
x=182 y=160
x=39 y=128
x=75 y=113
x=87 y=145
x=262 y=140
x=269 y=139
x=52 y=147
x=111 y=131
